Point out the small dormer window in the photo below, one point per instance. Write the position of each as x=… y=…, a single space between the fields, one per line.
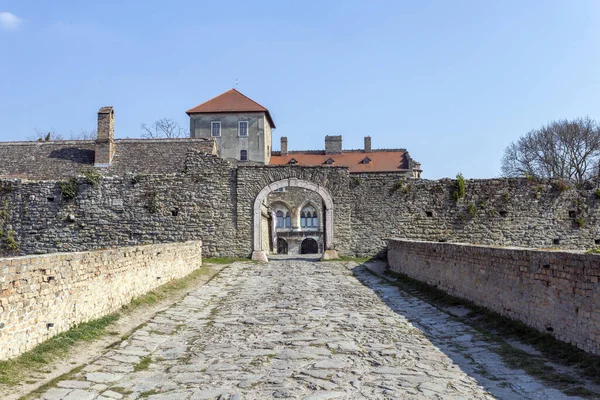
x=329 y=161
x=366 y=160
x=292 y=161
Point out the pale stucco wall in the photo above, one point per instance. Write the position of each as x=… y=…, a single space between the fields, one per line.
x=229 y=144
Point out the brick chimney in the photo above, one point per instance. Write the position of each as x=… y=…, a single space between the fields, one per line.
x=105 y=143
x=333 y=144
x=367 y=144
x=284 y=149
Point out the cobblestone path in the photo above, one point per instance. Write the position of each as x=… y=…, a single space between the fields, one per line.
x=286 y=329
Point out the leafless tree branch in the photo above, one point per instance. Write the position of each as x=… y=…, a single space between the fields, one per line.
x=563 y=149
x=163 y=128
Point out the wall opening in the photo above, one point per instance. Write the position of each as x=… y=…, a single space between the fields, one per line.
x=309 y=246
x=282 y=246
x=292 y=226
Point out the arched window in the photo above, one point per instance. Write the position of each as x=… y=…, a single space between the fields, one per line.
x=308 y=218
x=288 y=220
x=279 y=215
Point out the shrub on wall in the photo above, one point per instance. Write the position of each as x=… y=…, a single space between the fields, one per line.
x=69 y=189
x=6 y=187
x=593 y=250
x=11 y=242
x=472 y=209
x=400 y=185
x=460 y=190
x=560 y=185
x=92 y=177
x=538 y=191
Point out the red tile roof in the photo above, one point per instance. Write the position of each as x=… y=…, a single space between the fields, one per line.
x=381 y=161
x=231 y=101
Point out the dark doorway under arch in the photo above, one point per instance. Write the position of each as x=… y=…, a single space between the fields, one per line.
x=309 y=246
x=282 y=246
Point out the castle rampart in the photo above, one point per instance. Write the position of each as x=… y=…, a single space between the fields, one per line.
x=43 y=295
x=556 y=292
x=211 y=200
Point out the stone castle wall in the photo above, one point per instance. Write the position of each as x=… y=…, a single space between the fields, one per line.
x=556 y=292
x=43 y=295
x=124 y=210
x=517 y=212
x=212 y=200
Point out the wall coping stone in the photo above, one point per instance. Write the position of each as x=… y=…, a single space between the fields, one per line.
x=498 y=247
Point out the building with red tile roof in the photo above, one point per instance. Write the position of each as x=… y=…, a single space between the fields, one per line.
x=357 y=161
x=231 y=101
x=242 y=128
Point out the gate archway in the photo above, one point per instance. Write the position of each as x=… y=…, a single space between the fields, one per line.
x=309 y=246
x=282 y=246
x=258 y=253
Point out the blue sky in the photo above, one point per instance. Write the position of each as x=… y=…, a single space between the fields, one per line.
x=451 y=81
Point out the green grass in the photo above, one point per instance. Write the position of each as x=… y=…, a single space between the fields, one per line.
x=121 y=390
x=224 y=260
x=499 y=328
x=165 y=290
x=143 y=364
x=148 y=393
x=53 y=349
x=359 y=260
x=13 y=371
x=42 y=389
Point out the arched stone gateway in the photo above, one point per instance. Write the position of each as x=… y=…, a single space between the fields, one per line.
x=258 y=253
x=282 y=246
x=309 y=246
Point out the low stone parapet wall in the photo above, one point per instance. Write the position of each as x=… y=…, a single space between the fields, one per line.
x=43 y=295
x=556 y=292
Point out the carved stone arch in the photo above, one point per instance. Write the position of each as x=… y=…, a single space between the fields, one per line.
x=284 y=203
x=308 y=203
x=257 y=252
x=319 y=209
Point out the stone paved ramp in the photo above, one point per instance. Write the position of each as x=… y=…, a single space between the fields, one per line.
x=286 y=329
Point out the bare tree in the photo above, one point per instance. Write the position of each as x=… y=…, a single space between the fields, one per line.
x=43 y=135
x=163 y=128
x=563 y=149
x=85 y=134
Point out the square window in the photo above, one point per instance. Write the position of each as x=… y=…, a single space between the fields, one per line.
x=215 y=128
x=243 y=155
x=243 y=128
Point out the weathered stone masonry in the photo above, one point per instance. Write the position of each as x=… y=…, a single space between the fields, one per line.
x=556 y=292
x=210 y=199
x=124 y=210
x=517 y=212
x=43 y=295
